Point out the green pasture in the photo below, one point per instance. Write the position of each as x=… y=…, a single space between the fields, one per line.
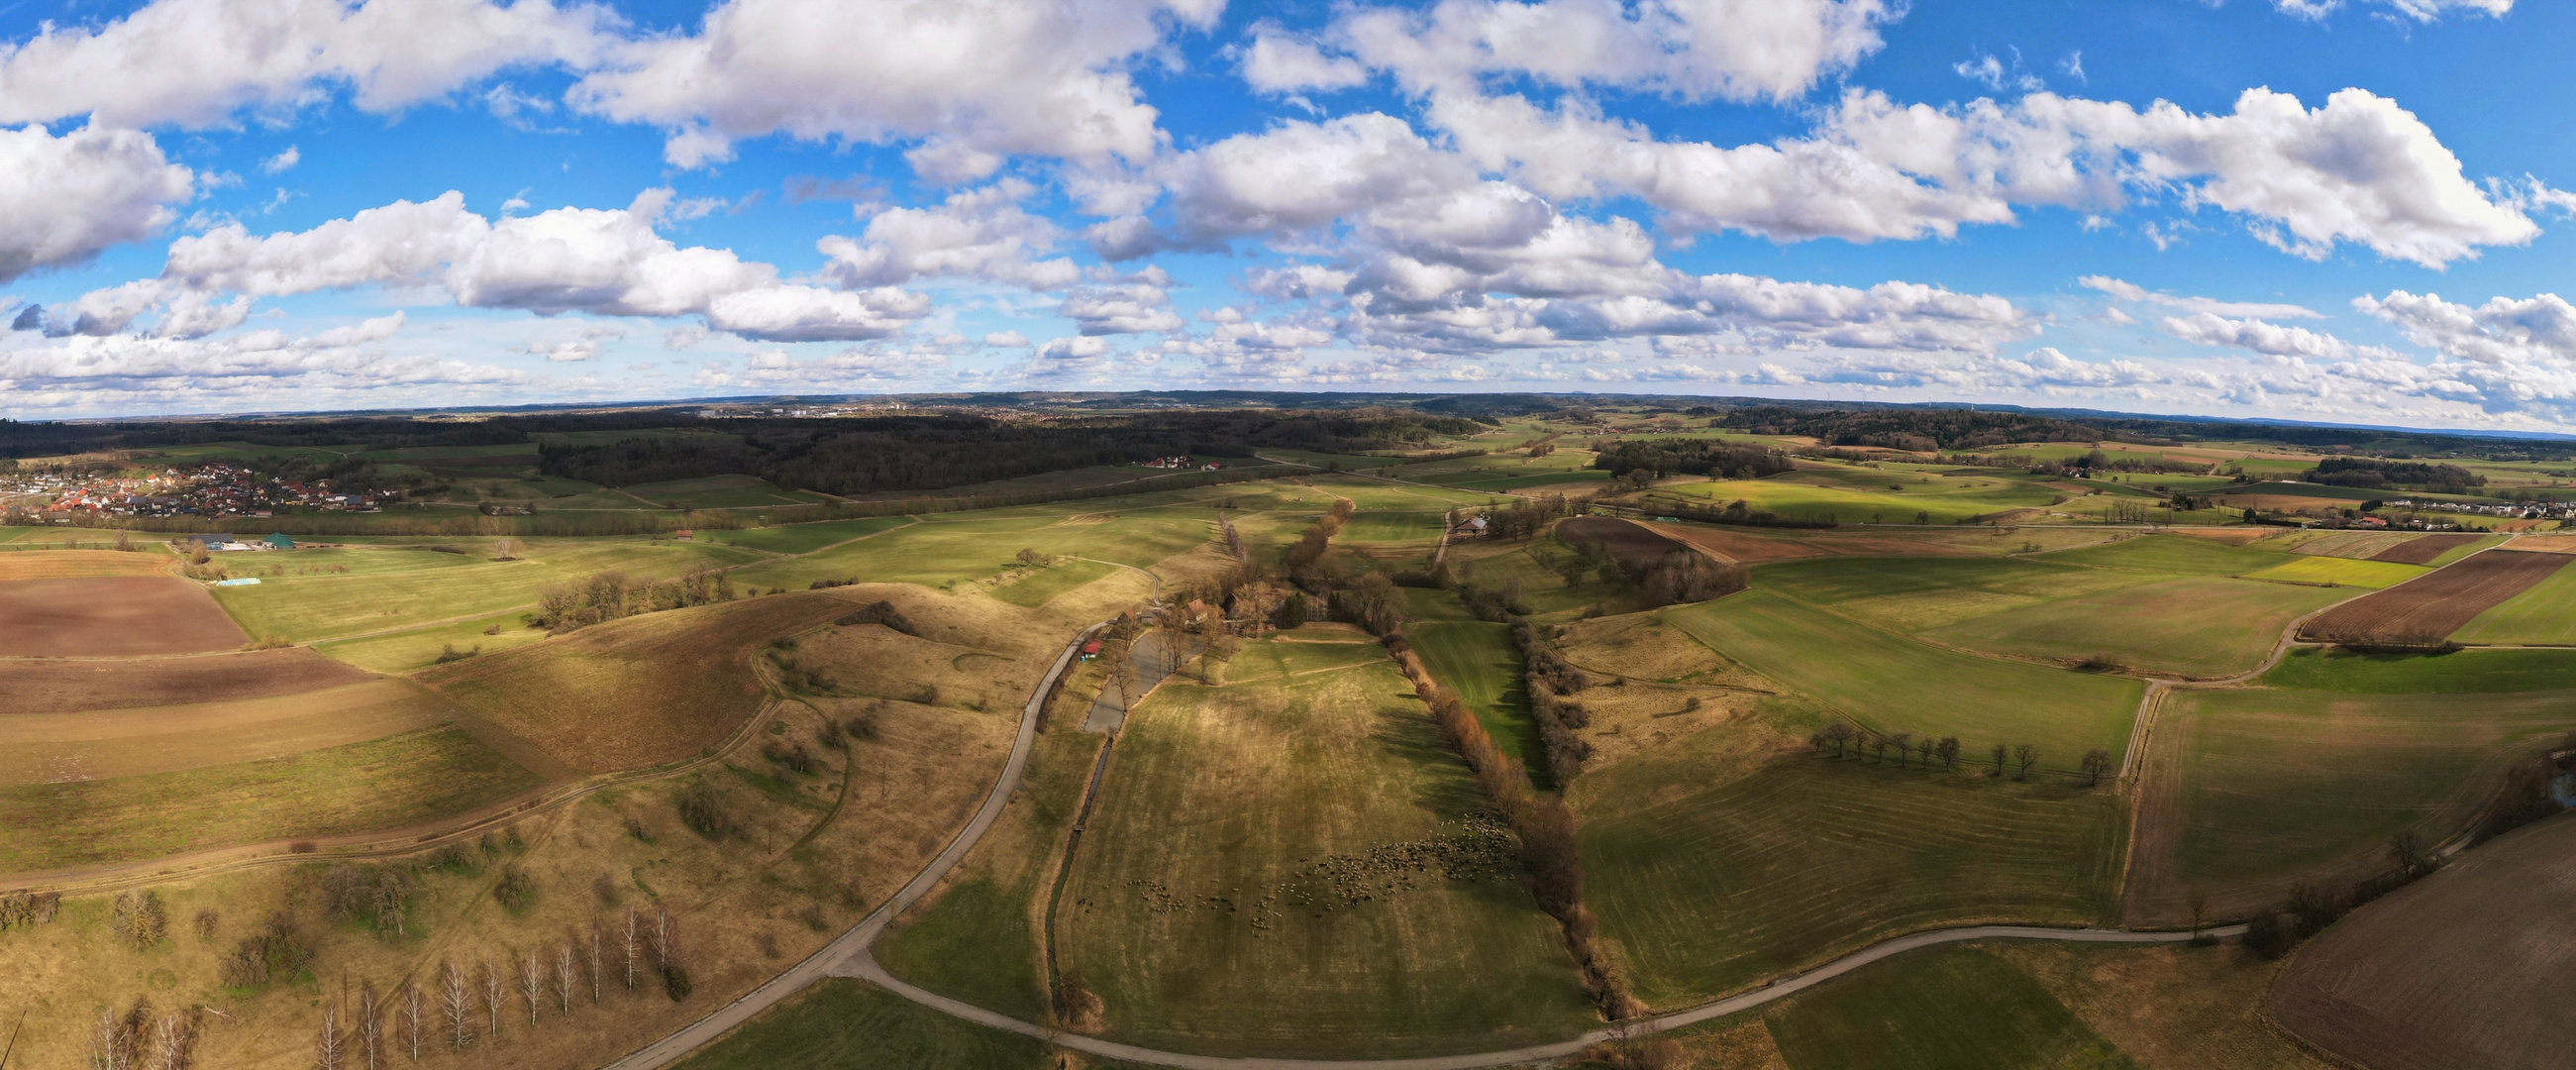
x=1041 y=585
x=402 y=588
x=1386 y=526
x=1952 y=1007
x=2189 y=626
x=1320 y=460
x=721 y=492
x=1892 y=684
x=1710 y=885
x=2340 y=572
x=2471 y=671
x=1188 y=915
x=401 y=652
x=2544 y=613
x=976 y=941
x=1856 y=495
x=1546 y=592
x=1371 y=494
x=804 y=538
x=1477 y=660
x=380 y=784
x=2280 y=785
x=938 y=550
x=2181 y=555
x=1308 y=653
x=1912 y=594
x=842 y=1024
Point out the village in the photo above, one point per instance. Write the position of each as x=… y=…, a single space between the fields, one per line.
x=209 y=490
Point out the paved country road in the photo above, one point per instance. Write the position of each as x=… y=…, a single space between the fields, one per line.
x=851 y=956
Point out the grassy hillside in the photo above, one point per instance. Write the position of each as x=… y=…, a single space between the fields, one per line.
x=1477 y=660
x=1296 y=865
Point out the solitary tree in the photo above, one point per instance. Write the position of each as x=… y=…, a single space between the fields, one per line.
x=2000 y=750
x=2024 y=756
x=496 y=991
x=2407 y=853
x=532 y=984
x=2198 y=903
x=457 y=1003
x=631 y=942
x=326 y=1047
x=371 y=1027
x=411 y=1009
x=2096 y=762
x=1838 y=734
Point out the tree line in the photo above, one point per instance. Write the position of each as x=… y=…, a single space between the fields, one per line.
x=1848 y=740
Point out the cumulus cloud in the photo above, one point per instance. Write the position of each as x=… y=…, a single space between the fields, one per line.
x=63 y=199
x=976 y=234
x=267 y=367
x=2534 y=331
x=1691 y=49
x=1278 y=62
x=2128 y=291
x=607 y=262
x=979 y=80
x=2269 y=338
x=197 y=62
x=282 y=161
x=1134 y=308
x=2418 y=10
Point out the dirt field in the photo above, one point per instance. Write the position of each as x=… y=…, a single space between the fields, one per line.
x=2546 y=544
x=1626 y=540
x=2230 y=536
x=2359 y=545
x=2435 y=605
x=44 y=748
x=1736 y=545
x=2468 y=968
x=79 y=564
x=66 y=686
x=123 y=616
x=2423 y=549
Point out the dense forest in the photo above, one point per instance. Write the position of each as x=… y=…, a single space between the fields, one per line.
x=1921 y=430
x=2372 y=472
x=1691 y=456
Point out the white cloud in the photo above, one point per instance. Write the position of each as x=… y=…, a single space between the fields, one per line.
x=1278 y=62
x=1007 y=340
x=282 y=161
x=2129 y=291
x=2269 y=338
x=978 y=234
x=63 y=199
x=2504 y=331
x=197 y=62
x=981 y=80
x=600 y=261
x=1692 y=49
x=1136 y=308
x=1071 y=350
x=2419 y=10
x=1992 y=73
x=875 y=364
x=267 y=367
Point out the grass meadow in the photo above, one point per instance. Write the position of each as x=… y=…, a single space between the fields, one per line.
x=842 y=1023
x=2270 y=787
x=1189 y=915
x=2461 y=672
x=721 y=492
x=1477 y=660
x=1710 y=885
x=1959 y=1007
x=391 y=588
x=1039 y=586
x=2543 y=614
x=2175 y=554
x=2192 y=626
x=1877 y=495
x=1892 y=684
x=380 y=784
x=804 y=538
x=939 y=551
x=2340 y=572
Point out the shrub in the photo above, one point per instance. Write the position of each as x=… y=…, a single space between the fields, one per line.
x=675 y=981
x=276 y=952
x=515 y=889
x=702 y=808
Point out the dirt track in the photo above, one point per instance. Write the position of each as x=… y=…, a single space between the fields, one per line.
x=2430 y=607
x=122 y=616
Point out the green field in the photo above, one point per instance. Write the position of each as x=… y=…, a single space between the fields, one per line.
x=1941 y=1008
x=1041 y=586
x=1871 y=495
x=720 y=492
x=2543 y=614
x=2194 y=626
x=840 y=1023
x=1477 y=660
x=1913 y=594
x=1712 y=886
x=380 y=784
x=977 y=941
x=937 y=551
x=2462 y=672
x=1196 y=928
x=397 y=588
x=2340 y=572
x=2278 y=786
x=2176 y=554
x=420 y=648
x=1895 y=684
x=804 y=538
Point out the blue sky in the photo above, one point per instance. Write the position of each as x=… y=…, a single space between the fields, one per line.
x=2306 y=209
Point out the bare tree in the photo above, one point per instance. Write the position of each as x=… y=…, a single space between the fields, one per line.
x=1924 y=747
x=327 y=1046
x=1838 y=734
x=1948 y=749
x=411 y=1017
x=2198 y=903
x=2096 y=762
x=532 y=984
x=2000 y=750
x=496 y=991
x=2024 y=756
x=663 y=952
x=630 y=949
x=457 y=1003
x=1904 y=742
x=371 y=1026
x=2406 y=852
x=565 y=975
x=594 y=961
x=174 y=1041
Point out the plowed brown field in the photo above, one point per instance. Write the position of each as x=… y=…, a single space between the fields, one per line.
x=2467 y=969
x=78 y=564
x=2431 y=607
x=45 y=748
x=50 y=686
x=1626 y=540
x=1737 y=545
x=121 y=616
x=2423 y=549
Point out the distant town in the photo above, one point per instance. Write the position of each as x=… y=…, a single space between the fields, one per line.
x=209 y=490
